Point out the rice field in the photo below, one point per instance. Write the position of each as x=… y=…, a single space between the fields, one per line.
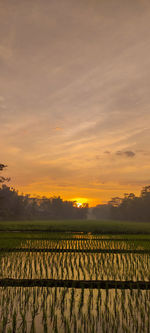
x=72 y=310
x=74 y=307
x=75 y=266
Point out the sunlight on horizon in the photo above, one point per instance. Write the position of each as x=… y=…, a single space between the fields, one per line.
x=74 y=97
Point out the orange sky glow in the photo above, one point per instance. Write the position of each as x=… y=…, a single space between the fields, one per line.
x=74 y=97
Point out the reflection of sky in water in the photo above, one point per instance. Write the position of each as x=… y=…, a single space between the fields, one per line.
x=75 y=310
x=91 y=243
x=68 y=310
x=82 y=266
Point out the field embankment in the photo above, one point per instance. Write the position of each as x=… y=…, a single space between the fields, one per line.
x=86 y=226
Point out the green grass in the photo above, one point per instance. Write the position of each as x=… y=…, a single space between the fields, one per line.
x=11 y=239
x=93 y=226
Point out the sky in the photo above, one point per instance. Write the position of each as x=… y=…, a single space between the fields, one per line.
x=75 y=97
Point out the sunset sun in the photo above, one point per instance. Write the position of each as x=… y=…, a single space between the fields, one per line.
x=80 y=201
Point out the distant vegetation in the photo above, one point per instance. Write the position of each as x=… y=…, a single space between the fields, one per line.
x=129 y=208
x=21 y=207
x=14 y=206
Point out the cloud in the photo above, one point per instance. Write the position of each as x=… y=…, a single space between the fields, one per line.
x=75 y=91
x=107 y=152
x=58 y=128
x=128 y=153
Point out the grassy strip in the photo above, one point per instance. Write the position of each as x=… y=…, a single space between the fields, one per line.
x=93 y=226
x=70 y=236
x=17 y=239
x=74 y=250
x=90 y=284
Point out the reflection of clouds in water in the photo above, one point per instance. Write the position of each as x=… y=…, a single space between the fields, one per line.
x=77 y=266
x=59 y=309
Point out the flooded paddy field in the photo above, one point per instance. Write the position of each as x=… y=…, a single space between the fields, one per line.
x=74 y=310
x=87 y=261
x=75 y=266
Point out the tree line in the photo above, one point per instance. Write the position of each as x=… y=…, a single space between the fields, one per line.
x=18 y=206
x=15 y=206
x=128 y=208
x=132 y=207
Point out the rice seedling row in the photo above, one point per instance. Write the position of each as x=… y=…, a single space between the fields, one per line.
x=67 y=310
x=76 y=285
x=73 y=251
x=75 y=245
x=75 y=266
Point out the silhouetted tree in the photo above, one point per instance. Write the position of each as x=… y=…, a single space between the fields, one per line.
x=3 y=179
x=18 y=206
x=15 y=206
x=132 y=208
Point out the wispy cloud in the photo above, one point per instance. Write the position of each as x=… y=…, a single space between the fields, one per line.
x=127 y=153
x=74 y=85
